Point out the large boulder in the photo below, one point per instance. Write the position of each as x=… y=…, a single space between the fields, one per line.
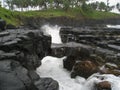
x=47 y=84
x=28 y=49
x=2 y=24
x=84 y=68
x=69 y=62
x=14 y=77
x=21 y=52
x=75 y=52
x=105 y=85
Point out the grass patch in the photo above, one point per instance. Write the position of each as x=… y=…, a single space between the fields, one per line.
x=53 y=13
x=77 y=13
x=100 y=15
x=9 y=16
x=72 y=13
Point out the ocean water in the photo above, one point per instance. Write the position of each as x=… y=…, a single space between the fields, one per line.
x=53 y=67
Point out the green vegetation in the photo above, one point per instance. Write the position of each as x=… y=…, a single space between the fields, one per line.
x=77 y=13
x=118 y=6
x=0 y=4
x=100 y=15
x=13 y=17
x=44 y=4
x=57 y=4
x=9 y=16
x=73 y=13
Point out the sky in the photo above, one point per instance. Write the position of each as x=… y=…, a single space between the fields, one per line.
x=112 y=2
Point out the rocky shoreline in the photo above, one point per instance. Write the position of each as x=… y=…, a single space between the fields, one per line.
x=83 y=42
x=89 y=49
x=21 y=52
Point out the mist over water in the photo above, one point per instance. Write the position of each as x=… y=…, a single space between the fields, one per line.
x=53 y=31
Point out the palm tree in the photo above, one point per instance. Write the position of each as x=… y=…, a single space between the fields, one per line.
x=0 y=3
x=107 y=6
x=10 y=4
x=58 y=3
x=118 y=6
x=102 y=6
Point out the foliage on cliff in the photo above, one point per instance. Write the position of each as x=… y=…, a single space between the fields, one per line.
x=14 y=17
x=9 y=16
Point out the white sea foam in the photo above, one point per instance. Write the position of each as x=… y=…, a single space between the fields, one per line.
x=113 y=26
x=53 y=67
x=53 y=31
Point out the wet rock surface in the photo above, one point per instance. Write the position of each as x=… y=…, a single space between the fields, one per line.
x=21 y=52
x=105 y=85
x=99 y=45
x=47 y=84
x=2 y=24
x=84 y=69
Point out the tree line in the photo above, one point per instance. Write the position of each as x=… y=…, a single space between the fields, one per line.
x=44 y=4
x=101 y=6
x=59 y=4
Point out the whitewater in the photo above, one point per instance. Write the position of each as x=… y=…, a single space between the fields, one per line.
x=113 y=26
x=53 y=31
x=53 y=67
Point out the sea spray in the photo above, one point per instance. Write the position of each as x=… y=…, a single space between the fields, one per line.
x=53 y=31
x=53 y=67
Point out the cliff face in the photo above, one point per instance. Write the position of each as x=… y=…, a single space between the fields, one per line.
x=36 y=22
x=21 y=52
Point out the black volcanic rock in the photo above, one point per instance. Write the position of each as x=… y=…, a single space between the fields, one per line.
x=36 y=22
x=103 y=41
x=47 y=84
x=77 y=50
x=21 y=52
x=13 y=76
x=69 y=62
x=28 y=49
x=10 y=26
x=2 y=24
x=95 y=44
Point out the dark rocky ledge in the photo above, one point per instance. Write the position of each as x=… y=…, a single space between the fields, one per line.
x=36 y=22
x=21 y=52
x=88 y=49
